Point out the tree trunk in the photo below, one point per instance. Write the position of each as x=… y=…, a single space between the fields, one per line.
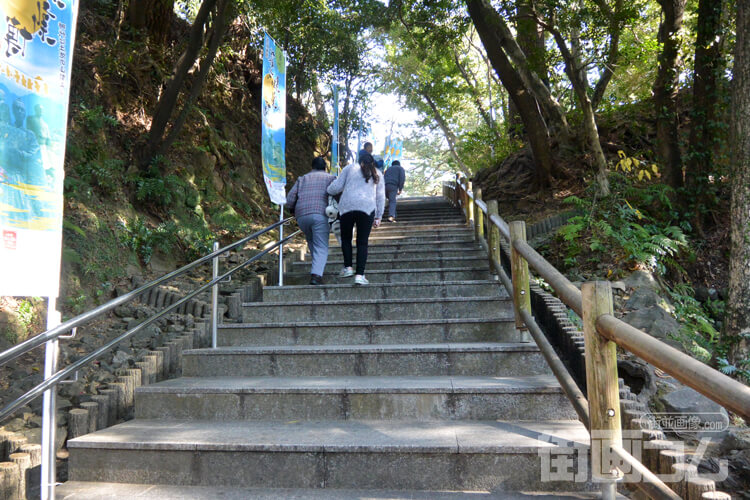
x=591 y=131
x=706 y=71
x=531 y=39
x=495 y=27
x=450 y=137
x=737 y=324
x=320 y=108
x=536 y=129
x=153 y=16
x=665 y=93
x=168 y=100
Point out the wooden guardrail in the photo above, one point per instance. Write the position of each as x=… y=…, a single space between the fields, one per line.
x=601 y=411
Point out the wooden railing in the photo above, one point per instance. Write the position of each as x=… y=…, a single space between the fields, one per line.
x=602 y=411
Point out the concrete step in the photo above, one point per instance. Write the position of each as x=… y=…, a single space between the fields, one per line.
x=386 y=263
x=421 y=252
x=536 y=397
x=481 y=273
x=376 y=309
x=498 y=329
x=299 y=293
x=467 y=244
x=460 y=359
x=429 y=231
x=81 y=490
x=454 y=455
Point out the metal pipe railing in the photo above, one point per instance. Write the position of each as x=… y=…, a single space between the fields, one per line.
x=77 y=365
x=81 y=319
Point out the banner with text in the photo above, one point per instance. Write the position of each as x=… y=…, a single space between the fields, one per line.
x=335 y=168
x=35 y=67
x=273 y=146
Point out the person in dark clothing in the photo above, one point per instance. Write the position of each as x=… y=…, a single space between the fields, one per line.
x=394 y=184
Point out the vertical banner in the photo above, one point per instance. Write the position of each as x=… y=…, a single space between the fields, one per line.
x=36 y=55
x=335 y=168
x=274 y=120
x=387 y=153
x=397 y=147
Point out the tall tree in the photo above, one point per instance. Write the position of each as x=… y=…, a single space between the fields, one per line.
x=704 y=128
x=665 y=92
x=208 y=30
x=153 y=16
x=737 y=324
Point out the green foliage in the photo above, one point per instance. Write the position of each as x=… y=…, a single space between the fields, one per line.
x=613 y=228
x=699 y=332
x=156 y=189
x=139 y=237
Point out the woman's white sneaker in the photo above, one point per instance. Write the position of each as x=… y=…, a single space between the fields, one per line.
x=360 y=280
x=346 y=272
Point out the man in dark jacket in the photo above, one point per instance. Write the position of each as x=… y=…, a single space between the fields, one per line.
x=394 y=184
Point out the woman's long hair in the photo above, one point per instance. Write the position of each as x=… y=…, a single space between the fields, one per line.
x=368 y=168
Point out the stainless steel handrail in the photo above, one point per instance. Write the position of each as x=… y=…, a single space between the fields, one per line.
x=65 y=327
x=37 y=390
x=53 y=376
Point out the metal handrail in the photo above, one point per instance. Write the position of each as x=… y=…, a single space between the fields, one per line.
x=67 y=326
x=37 y=390
x=53 y=376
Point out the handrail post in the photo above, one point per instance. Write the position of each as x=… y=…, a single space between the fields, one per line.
x=49 y=423
x=602 y=385
x=215 y=299
x=520 y=277
x=493 y=235
x=478 y=215
x=455 y=191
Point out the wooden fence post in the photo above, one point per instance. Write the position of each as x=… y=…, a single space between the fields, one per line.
x=520 y=276
x=478 y=215
x=493 y=235
x=601 y=381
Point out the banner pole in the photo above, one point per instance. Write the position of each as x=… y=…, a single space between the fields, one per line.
x=49 y=411
x=281 y=247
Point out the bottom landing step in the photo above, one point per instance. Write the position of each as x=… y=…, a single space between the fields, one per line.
x=79 y=490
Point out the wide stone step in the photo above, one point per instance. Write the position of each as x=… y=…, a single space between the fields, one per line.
x=453 y=455
x=376 y=309
x=81 y=490
x=498 y=329
x=376 y=252
x=481 y=273
x=381 y=263
x=467 y=244
x=465 y=359
x=427 y=231
x=299 y=293
x=536 y=397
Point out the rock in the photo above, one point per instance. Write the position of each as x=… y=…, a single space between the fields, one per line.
x=124 y=311
x=737 y=438
x=121 y=358
x=639 y=376
x=641 y=279
x=709 y=418
x=644 y=298
x=162 y=263
x=619 y=285
x=655 y=321
x=701 y=294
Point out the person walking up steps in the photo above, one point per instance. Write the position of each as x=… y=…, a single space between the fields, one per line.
x=362 y=202
x=394 y=184
x=309 y=199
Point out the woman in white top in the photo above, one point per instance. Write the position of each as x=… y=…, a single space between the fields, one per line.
x=362 y=203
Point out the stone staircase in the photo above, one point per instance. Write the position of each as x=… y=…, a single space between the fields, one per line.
x=416 y=386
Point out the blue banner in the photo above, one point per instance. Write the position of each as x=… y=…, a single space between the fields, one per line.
x=392 y=151
x=335 y=136
x=35 y=67
x=273 y=111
